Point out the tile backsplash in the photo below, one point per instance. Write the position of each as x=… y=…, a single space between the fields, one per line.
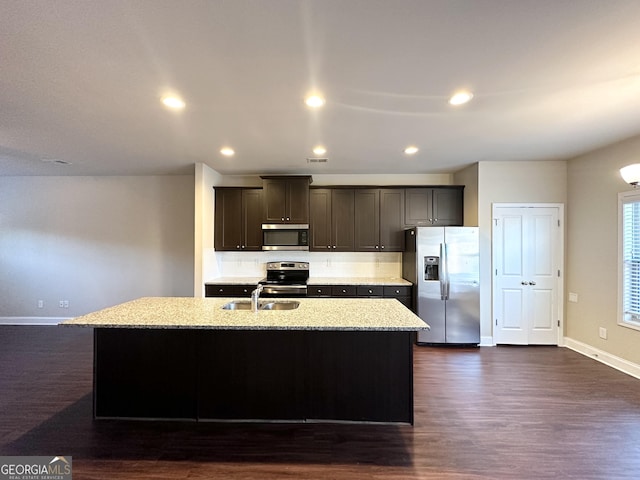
x=321 y=264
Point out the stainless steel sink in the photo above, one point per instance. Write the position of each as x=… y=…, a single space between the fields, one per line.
x=237 y=305
x=246 y=305
x=284 y=305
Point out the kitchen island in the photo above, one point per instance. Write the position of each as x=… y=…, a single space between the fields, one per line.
x=190 y=359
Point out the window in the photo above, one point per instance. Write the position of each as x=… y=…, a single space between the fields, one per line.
x=629 y=263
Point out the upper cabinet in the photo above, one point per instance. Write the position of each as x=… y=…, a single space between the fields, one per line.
x=238 y=219
x=331 y=219
x=379 y=217
x=433 y=206
x=286 y=199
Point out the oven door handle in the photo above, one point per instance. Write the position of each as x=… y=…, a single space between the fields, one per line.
x=283 y=290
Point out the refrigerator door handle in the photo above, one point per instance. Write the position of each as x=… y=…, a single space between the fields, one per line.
x=443 y=272
x=444 y=282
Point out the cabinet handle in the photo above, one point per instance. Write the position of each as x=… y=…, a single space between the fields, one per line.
x=288 y=219
x=382 y=247
x=282 y=219
x=237 y=246
x=370 y=291
x=397 y=292
x=334 y=246
x=377 y=246
x=242 y=246
x=328 y=246
x=344 y=291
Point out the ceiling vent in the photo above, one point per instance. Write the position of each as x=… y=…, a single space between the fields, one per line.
x=317 y=160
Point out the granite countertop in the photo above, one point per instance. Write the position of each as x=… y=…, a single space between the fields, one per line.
x=207 y=313
x=234 y=281
x=388 y=281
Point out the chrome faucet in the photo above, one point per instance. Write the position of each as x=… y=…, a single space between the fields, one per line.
x=255 y=296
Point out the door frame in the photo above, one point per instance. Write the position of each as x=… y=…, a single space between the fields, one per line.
x=560 y=246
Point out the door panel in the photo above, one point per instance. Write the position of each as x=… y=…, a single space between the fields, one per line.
x=526 y=274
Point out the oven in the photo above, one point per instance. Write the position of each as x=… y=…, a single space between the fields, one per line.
x=285 y=279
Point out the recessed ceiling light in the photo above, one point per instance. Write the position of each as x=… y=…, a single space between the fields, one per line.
x=173 y=102
x=459 y=98
x=411 y=150
x=227 y=152
x=319 y=150
x=314 y=101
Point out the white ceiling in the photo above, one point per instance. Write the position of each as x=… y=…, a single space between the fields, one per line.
x=80 y=81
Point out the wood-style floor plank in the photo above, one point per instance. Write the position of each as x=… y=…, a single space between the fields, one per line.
x=488 y=413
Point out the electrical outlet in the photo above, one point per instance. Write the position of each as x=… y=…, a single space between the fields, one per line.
x=603 y=333
x=66 y=303
x=573 y=297
x=61 y=304
x=40 y=304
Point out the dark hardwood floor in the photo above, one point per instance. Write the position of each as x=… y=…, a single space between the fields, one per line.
x=489 y=413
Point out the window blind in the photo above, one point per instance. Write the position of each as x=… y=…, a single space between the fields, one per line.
x=631 y=261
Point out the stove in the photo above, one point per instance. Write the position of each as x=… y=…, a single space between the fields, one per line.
x=285 y=279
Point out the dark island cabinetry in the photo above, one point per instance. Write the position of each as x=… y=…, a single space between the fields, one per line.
x=253 y=375
x=238 y=219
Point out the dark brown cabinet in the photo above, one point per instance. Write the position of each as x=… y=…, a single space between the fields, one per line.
x=223 y=290
x=433 y=206
x=331 y=224
x=286 y=199
x=379 y=220
x=238 y=219
x=400 y=292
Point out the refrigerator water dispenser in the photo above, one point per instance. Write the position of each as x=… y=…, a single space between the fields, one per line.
x=431 y=268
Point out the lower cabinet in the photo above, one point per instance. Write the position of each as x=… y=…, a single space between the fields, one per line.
x=253 y=375
x=401 y=292
x=228 y=290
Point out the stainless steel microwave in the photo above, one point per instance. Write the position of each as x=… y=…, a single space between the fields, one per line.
x=285 y=236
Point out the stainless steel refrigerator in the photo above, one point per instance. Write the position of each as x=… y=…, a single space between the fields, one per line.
x=443 y=265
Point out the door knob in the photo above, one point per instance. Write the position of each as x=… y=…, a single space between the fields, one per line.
x=524 y=283
x=532 y=283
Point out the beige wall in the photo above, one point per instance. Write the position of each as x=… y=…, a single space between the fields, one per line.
x=94 y=241
x=469 y=178
x=593 y=186
x=511 y=182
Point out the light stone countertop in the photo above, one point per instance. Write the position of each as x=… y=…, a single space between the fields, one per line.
x=207 y=313
x=387 y=281
x=234 y=281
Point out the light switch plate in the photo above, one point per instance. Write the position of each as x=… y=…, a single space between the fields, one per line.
x=573 y=297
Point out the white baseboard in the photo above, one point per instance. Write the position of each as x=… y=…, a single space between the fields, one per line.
x=486 y=342
x=618 y=363
x=32 y=320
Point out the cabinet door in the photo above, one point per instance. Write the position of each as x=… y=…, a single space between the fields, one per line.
x=417 y=208
x=252 y=219
x=228 y=220
x=447 y=206
x=391 y=220
x=342 y=220
x=275 y=201
x=367 y=220
x=297 y=209
x=320 y=219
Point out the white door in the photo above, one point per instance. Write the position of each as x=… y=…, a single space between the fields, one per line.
x=526 y=266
